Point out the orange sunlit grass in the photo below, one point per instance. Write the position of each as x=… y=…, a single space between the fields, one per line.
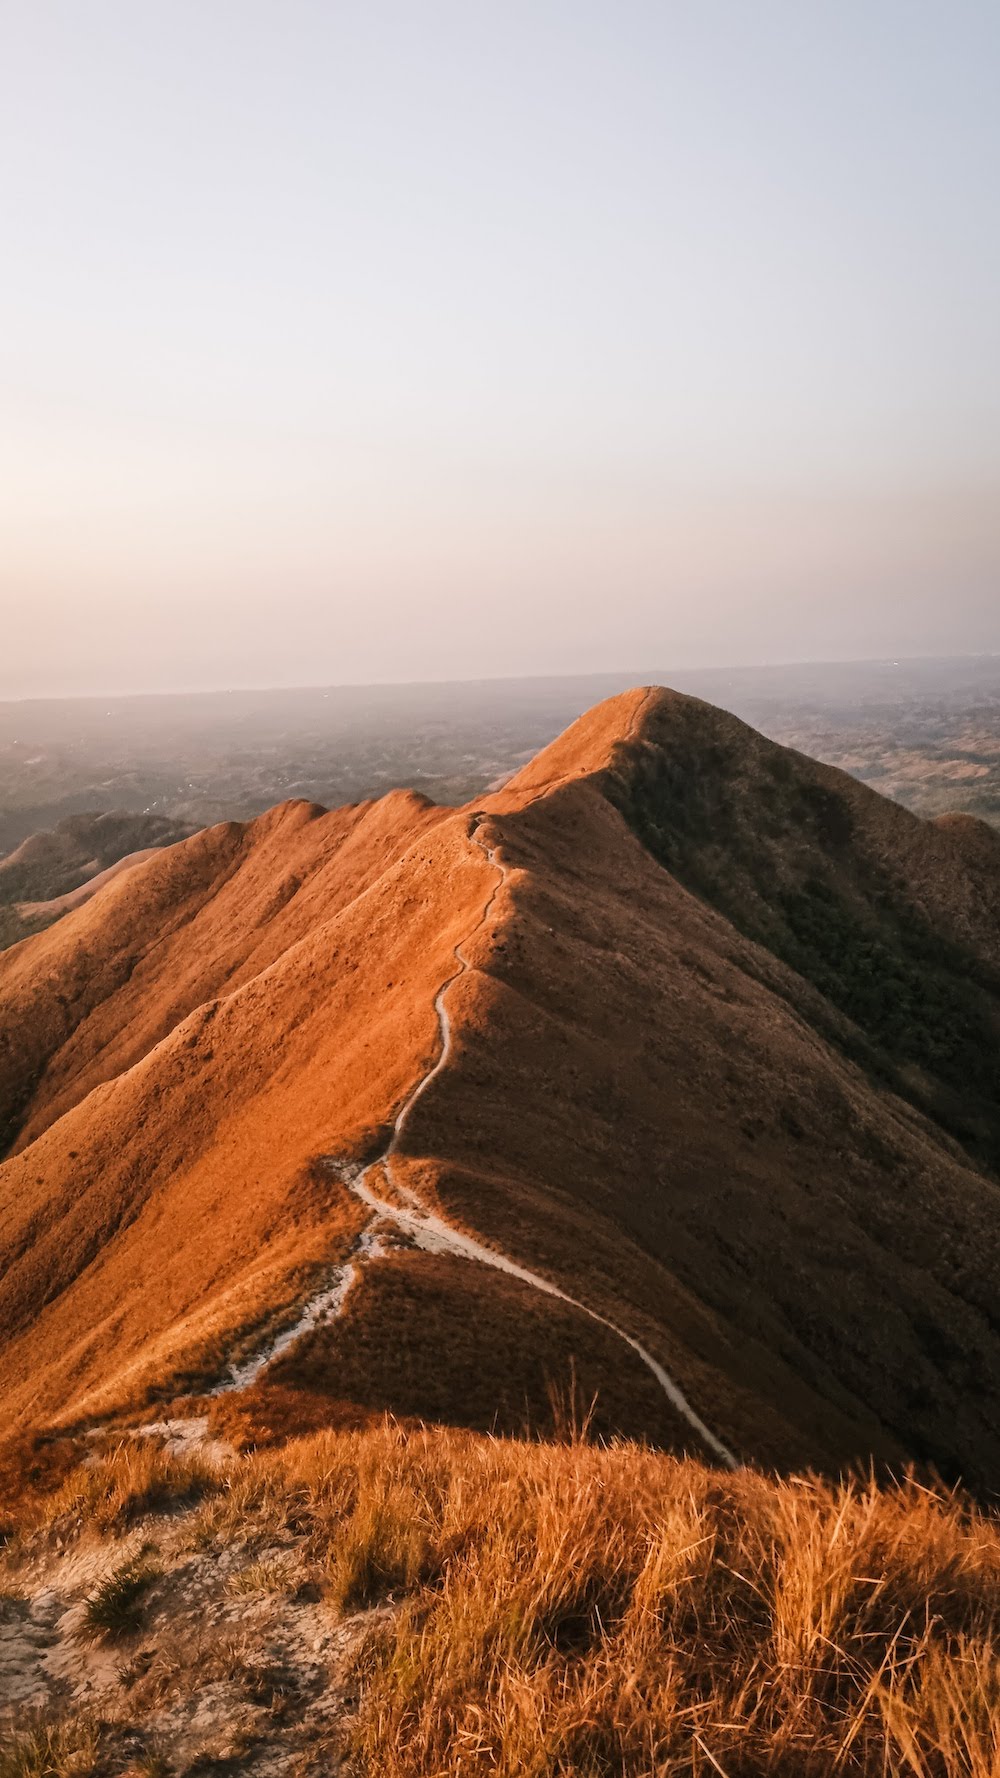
x=563 y=1608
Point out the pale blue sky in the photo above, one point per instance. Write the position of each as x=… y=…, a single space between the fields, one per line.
x=380 y=341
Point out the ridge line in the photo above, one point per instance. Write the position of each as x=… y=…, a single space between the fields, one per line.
x=429 y=1230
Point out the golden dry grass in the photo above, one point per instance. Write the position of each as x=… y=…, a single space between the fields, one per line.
x=542 y=1610
x=114 y=1487
x=51 y=1750
x=662 y=1095
x=566 y=1609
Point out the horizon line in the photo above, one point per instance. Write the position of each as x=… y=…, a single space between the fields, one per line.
x=217 y=691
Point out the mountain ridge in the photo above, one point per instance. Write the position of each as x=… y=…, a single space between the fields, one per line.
x=648 y=1104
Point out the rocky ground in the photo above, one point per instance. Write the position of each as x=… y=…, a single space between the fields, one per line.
x=169 y=1640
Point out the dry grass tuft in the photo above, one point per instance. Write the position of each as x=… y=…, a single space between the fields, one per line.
x=32 y=1468
x=113 y=1491
x=40 y=1749
x=115 y=1607
x=259 y=1579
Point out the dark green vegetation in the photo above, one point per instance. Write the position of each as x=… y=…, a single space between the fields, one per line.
x=918 y=999
x=114 y=1609
x=799 y=867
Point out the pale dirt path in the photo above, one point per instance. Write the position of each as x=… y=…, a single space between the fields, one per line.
x=424 y=1227
x=430 y=1232
x=324 y=1306
x=220 y=1614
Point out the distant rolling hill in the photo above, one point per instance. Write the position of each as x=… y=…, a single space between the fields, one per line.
x=665 y=1074
x=58 y=868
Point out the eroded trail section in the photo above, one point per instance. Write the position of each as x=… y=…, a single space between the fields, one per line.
x=324 y=1306
x=430 y=1232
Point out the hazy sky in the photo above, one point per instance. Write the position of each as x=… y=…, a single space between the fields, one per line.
x=350 y=341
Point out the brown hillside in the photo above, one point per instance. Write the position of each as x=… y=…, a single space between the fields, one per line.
x=721 y=1071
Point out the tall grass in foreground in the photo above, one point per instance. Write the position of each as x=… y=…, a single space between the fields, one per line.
x=573 y=1610
x=57 y=1750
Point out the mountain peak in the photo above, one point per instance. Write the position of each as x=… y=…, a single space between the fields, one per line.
x=590 y=745
x=663 y=1067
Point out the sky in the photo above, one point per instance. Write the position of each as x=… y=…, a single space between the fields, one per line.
x=425 y=339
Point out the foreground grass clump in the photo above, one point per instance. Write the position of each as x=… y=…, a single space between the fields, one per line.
x=51 y=1750
x=580 y=1611
x=114 y=1609
x=127 y=1482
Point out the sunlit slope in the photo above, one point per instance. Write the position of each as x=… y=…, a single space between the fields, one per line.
x=92 y=995
x=721 y=1070
x=180 y=1185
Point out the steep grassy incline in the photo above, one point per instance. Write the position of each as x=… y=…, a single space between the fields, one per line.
x=896 y=921
x=705 y=1041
